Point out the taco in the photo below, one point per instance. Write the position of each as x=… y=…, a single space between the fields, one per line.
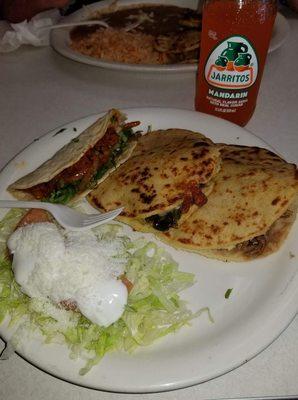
x=81 y=164
x=249 y=211
x=168 y=173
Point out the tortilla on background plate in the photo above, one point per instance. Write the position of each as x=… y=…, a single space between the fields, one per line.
x=249 y=211
x=78 y=166
x=168 y=172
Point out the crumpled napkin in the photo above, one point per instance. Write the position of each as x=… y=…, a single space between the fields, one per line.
x=32 y=32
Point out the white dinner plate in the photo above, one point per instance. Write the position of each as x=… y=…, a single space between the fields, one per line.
x=263 y=301
x=60 y=38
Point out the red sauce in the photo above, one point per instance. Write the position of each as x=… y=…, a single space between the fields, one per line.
x=193 y=195
x=34 y=216
x=82 y=170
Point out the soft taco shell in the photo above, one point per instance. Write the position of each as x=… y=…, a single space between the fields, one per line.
x=71 y=153
x=156 y=176
x=262 y=245
x=254 y=196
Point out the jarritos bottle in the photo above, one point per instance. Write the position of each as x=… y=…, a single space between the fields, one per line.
x=235 y=40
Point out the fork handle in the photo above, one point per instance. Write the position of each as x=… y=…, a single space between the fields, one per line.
x=81 y=23
x=22 y=204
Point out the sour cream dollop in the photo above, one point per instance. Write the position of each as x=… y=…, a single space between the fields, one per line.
x=51 y=263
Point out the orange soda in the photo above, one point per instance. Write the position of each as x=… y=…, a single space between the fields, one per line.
x=235 y=39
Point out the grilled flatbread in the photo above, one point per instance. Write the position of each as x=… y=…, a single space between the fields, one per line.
x=169 y=170
x=249 y=211
x=81 y=164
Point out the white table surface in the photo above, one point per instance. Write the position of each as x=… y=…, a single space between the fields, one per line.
x=40 y=90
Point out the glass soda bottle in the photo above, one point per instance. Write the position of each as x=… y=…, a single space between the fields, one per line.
x=235 y=40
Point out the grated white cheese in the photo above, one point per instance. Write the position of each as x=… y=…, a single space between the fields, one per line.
x=51 y=263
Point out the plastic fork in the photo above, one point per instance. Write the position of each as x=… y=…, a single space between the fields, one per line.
x=65 y=216
x=76 y=23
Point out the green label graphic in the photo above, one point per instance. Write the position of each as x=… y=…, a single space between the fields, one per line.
x=232 y=64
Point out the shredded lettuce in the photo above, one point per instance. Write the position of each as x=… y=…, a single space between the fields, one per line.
x=154 y=307
x=7 y=225
x=64 y=194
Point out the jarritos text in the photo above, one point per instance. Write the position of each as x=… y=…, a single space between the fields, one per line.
x=232 y=64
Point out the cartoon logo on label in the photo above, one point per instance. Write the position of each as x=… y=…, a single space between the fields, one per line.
x=232 y=64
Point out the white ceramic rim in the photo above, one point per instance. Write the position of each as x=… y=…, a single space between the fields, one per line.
x=281 y=299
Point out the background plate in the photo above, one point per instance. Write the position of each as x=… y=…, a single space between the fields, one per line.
x=60 y=38
x=263 y=301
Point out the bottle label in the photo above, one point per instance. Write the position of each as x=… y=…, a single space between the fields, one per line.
x=232 y=64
